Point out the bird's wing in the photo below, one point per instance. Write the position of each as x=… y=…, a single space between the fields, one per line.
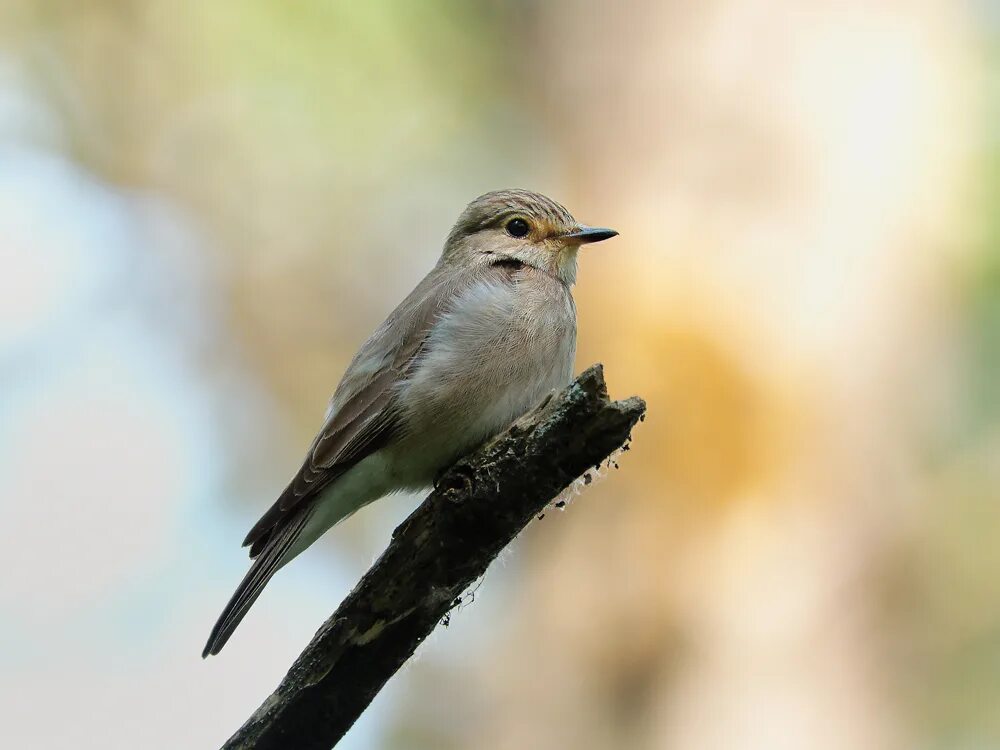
x=362 y=417
x=364 y=411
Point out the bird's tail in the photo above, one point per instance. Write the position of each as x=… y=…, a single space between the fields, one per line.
x=253 y=583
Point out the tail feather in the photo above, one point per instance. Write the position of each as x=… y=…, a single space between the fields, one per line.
x=265 y=566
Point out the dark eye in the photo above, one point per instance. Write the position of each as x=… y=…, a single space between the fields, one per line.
x=518 y=228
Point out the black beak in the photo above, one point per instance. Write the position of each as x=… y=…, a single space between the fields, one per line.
x=585 y=235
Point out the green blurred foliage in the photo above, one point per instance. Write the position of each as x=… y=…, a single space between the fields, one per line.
x=951 y=611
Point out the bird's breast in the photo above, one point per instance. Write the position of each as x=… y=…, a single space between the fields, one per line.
x=499 y=349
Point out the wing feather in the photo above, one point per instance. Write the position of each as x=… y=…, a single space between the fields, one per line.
x=364 y=415
x=364 y=412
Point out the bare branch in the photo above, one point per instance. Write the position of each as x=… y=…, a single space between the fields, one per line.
x=477 y=507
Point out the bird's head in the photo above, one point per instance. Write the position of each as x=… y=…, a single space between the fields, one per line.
x=522 y=227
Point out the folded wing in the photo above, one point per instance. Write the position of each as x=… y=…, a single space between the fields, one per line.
x=364 y=415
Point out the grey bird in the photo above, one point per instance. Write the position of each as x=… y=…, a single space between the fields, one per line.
x=486 y=335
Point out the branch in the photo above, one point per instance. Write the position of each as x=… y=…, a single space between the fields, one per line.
x=477 y=507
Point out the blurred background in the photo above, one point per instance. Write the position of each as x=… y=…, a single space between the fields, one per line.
x=206 y=207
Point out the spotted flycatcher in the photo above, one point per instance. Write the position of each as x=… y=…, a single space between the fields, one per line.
x=487 y=334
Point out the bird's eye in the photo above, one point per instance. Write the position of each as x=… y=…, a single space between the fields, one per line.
x=518 y=228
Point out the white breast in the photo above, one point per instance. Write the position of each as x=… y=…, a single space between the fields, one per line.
x=498 y=351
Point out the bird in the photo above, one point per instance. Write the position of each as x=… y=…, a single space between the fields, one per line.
x=481 y=340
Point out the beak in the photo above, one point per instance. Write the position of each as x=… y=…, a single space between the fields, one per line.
x=584 y=235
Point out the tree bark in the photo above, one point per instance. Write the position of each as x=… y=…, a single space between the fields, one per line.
x=477 y=507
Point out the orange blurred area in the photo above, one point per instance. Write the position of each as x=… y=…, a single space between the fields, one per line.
x=206 y=207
